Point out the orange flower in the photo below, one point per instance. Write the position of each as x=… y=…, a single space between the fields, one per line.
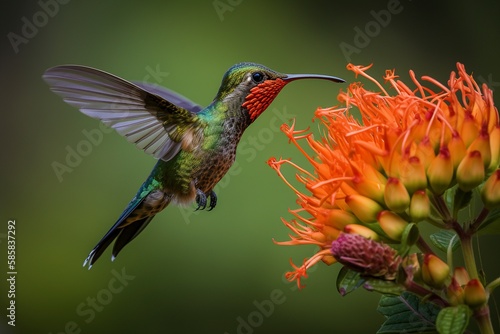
x=407 y=145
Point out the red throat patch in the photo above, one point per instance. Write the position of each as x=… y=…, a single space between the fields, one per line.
x=261 y=96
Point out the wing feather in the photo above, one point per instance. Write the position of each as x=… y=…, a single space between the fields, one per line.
x=153 y=118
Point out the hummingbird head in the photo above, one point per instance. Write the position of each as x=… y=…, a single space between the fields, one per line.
x=252 y=87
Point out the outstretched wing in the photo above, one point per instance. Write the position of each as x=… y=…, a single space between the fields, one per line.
x=157 y=125
x=171 y=96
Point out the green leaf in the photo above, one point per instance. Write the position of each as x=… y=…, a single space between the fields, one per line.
x=453 y=320
x=383 y=286
x=348 y=281
x=443 y=238
x=407 y=313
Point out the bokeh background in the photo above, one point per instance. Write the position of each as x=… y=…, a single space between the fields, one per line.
x=203 y=272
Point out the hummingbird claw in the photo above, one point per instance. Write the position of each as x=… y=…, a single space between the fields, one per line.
x=201 y=200
x=213 y=200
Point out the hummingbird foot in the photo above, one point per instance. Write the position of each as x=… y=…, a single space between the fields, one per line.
x=201 y=200
x=213 y=200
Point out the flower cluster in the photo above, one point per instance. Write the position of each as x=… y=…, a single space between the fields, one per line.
x=375 y=176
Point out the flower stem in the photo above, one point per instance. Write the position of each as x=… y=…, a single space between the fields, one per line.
x=419 y=290
x=424 y=246
x=479 y=220
x=483 y=319
x=442 y=209
x=468 y=253
x=493 y=284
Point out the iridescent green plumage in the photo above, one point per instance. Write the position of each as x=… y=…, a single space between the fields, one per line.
x=195 y=146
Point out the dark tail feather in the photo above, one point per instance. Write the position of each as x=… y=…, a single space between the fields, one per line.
x=125 y=234
x=128 y=233
x=101 y=247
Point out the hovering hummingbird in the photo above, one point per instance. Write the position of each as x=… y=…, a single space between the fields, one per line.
x=195 y=146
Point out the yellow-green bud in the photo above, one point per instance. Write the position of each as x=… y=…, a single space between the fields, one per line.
x=457 y=150
x=455 y=293
x=461 y=275
x=364 y=208
x=425 y=152
x=396 y=196
x=361 y=230
x=392 y=224
x=412 y=174
x=482 y=144
x=370 y=183
x=469 y=130
x=490 y=193
x=440 y=171
x=495 y=148
x=470 y=172
x=435 y=272
x=340 y=218
x=420 y=206
x=474 y=293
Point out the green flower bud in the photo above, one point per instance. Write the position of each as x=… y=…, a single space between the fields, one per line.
x=490 y=193
x=495 y=148
x=396 y=196
x=440 y=171
x=482 y=144
x=435 y=272
x=420 y=206
x=455 y=293
x=392 y=224
x=470 y=172
x=363 y=207
x=474 y=294
x=361 y=230
x=412 y=174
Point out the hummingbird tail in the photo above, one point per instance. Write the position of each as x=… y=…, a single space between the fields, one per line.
x=140 y=211
x=123 y=236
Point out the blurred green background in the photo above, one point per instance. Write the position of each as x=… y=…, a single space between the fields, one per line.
x=203 y=272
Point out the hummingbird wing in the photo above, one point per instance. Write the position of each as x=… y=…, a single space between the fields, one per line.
x=153 y=123
x=170 y=95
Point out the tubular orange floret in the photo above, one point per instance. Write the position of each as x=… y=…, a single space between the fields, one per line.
x=276 y=165
x=297 y=274
x=361 y=70
x=301 y=272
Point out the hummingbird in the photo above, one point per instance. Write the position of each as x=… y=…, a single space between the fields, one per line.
x=195 y=146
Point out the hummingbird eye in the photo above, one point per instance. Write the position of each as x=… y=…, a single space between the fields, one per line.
x=257 y=77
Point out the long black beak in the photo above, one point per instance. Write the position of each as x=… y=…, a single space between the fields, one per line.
x=292 y=77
